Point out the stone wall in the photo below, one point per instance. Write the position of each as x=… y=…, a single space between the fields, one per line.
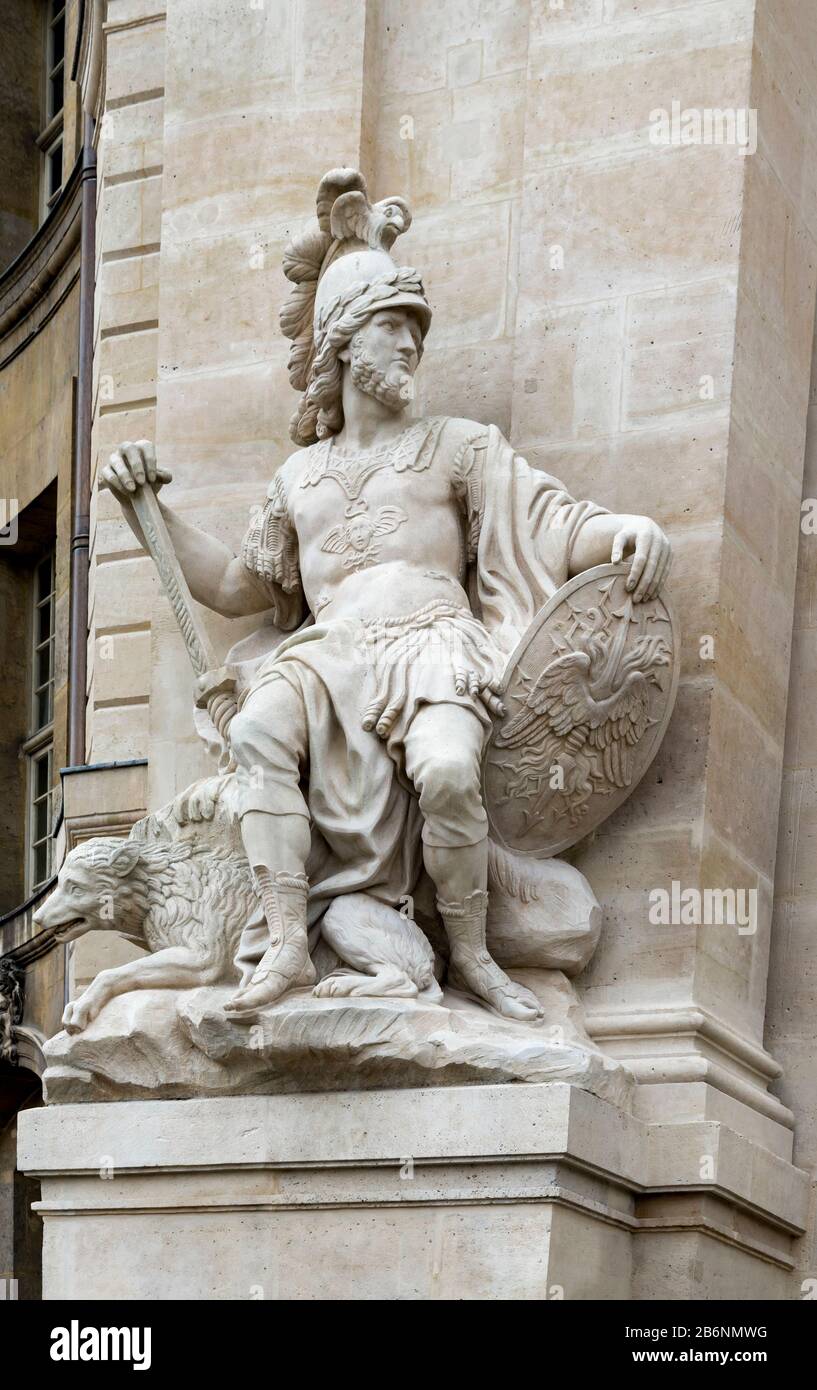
x=790 y=1026
x=38 y=364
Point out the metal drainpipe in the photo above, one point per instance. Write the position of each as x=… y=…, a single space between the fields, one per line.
x=81 y=468
x=81 y=478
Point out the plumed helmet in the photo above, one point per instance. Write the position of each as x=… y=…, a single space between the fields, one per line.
x=341 y=269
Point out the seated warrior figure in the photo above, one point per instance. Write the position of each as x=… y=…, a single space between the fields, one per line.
x=405 y=557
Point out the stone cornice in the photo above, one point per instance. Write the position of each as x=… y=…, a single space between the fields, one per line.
x=37 y=281
x=691 y=1045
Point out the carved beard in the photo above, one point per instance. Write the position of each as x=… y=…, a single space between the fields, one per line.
x=393 y=387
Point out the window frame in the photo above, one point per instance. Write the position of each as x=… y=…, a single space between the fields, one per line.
x=50 y=138
x=34 y=880
x=40 y=741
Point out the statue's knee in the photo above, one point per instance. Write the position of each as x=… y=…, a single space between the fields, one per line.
x=451 y=781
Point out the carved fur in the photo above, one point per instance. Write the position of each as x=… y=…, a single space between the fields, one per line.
x=184 y=895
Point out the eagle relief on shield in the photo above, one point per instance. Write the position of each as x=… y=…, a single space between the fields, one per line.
x=588 y=694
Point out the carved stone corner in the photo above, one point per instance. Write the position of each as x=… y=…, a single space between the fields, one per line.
x=103 y=799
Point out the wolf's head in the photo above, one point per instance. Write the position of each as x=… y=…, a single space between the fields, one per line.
x=98 y=889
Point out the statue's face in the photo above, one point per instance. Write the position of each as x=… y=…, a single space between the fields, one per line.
x=383 y=356
x=391 y=337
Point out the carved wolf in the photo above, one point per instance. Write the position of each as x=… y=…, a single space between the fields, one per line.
x=186 y=901
x=184 y=892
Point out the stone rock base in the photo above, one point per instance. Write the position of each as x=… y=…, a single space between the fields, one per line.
x=458 y=1193
x=167 y=1044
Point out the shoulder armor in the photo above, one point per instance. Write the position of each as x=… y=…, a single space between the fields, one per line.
x=270 y=549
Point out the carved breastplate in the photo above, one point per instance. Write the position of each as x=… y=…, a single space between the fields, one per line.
x=414 y=449
x=357 y=539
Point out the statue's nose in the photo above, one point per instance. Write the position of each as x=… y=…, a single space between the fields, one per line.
x=406 y=344
x=37 y=918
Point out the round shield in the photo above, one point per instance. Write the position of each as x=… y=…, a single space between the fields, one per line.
x=588 y=694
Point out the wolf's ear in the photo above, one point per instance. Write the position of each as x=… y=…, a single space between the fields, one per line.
x=125 y=858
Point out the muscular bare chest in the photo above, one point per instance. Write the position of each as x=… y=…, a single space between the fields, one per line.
x=354 y=512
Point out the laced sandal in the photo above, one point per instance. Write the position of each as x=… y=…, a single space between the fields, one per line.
x=286 y=963
x=474 y=972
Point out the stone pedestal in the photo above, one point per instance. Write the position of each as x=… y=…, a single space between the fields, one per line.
x=484 y=1192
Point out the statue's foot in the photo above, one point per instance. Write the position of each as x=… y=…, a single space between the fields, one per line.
x=478 y=974
x=286 y=963
x=267 y=986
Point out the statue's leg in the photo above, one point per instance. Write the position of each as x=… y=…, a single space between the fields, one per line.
x=269 y=743
x=443 y=750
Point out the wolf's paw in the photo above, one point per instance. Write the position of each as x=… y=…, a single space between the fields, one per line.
x=340 y=984
x=79 y=1013
x=389 y=980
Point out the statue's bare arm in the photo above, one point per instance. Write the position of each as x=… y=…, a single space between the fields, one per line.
x=215 y=576
x=609 y=538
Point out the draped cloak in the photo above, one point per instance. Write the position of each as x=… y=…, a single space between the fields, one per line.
x=519 y=529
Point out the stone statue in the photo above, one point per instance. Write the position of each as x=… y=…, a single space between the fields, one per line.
x=457 y=675
x=402 y=561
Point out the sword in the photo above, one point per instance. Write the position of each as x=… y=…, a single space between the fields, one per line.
x=216 y=694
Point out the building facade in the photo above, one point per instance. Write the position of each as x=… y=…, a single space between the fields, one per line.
x=630 y=193
x=40 y=233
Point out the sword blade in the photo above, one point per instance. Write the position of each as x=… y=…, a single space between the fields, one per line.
x=160 y=547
